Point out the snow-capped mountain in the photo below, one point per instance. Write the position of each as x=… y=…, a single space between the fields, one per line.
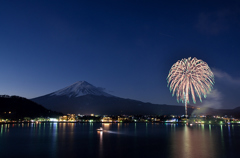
x=84 y=98
x=80 y=88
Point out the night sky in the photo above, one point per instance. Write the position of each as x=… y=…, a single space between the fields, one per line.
x=126 y=47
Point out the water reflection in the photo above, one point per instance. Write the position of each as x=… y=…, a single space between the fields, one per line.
x=71 y=132
x=6 y=127
x=210 y=130
x=135 y=128
x=106 y=126
x=136 y=139
x=222 y=138
x=100 y=133
x=91 y=128
x=1 y=129
x=54 y=138
x=229 y=136
x=119 y=126
x=191 y=142
x=173 y=127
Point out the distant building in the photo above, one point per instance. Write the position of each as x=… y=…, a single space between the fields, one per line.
x=40 y=119
x=63 y=118
x=106 y=119
x=71 y=117
x=53 y=119
x=172 y=120
x=155 y=119
x=124 y=119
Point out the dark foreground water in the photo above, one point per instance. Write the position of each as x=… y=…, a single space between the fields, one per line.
x=128 y=140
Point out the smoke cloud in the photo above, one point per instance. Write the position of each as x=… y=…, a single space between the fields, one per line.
x=213 y=100
x=225 y=77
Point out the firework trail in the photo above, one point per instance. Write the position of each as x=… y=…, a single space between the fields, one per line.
x=190 y=75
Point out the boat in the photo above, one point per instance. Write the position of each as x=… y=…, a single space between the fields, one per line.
x=100 y=129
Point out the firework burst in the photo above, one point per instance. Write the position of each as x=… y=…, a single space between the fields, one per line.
x=190 y=75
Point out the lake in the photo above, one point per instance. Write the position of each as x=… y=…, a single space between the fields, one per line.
x=125 y=140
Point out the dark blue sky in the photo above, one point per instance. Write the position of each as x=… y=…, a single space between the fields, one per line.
x=126 y=47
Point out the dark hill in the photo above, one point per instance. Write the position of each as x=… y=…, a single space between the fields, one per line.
x=15 y=107
x=101 y=105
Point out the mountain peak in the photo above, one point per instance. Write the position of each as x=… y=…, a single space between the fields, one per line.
x=80 y=88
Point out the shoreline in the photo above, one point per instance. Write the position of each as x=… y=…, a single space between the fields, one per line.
x=162 y=122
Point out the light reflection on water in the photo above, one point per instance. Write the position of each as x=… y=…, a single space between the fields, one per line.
x=54 y=127
x=192 y=142
x=119 y=140
x=100 y=133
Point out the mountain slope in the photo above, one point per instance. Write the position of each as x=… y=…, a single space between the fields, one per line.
x=84 y=98
x=105 y=105
x=16 y=107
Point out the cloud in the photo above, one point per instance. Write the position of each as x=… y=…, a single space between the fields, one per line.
x=225 y=77
x=213 y=99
